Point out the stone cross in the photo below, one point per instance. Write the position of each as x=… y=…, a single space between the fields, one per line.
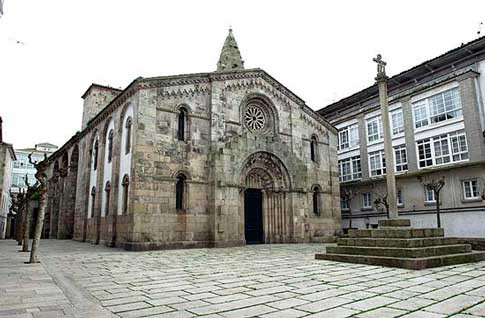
x=381 y=65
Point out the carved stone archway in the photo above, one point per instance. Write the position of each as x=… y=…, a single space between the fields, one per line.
x=266 y=172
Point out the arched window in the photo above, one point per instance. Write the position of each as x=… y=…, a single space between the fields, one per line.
x=128 y=125
x=107 y=190
x=316 y=200
x=125 y=183
x=180 y=192
x=110 y=145
x=313 y=149
x=93 y=199
x=95 y=155
x=181 y=124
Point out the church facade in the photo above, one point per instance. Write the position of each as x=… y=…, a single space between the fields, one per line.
x=225 y=158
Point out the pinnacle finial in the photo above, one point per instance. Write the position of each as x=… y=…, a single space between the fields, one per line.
x=230 y=58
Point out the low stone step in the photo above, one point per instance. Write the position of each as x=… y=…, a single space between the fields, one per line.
x=397 y=233
x=418 y=252
x=324 y=239
x=399 y=242
x=409 y=263
x=394 y=223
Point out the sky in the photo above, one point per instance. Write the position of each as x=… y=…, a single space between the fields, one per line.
x=52 y=50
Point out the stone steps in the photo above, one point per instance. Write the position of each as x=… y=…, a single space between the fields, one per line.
x=397 y=233
x=399 y=242
x=419 y=252
x=408 y=263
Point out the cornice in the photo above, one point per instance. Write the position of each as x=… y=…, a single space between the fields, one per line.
x=276 y=89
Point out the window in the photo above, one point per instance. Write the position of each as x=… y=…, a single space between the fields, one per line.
x=348 y=137
x=470 y=189
x=344 y=204
x=125 y=184
x=95 y=155
x=400 y=158
x=366 y=200
x=424 y=153
x=180 y=192
x=350 y=169
x=459 y=147
x=437 y=108
x=181 y=124
x=420 y=114
x=441 y=149
x=128 y=125
x=110 y=145
x=397 y=122
x=447 y=148
x=400 y=201
x=315 y=199
x=429 y=195
x=313 y=148
x=377 y=163
x=374 y=129
x=107 y=190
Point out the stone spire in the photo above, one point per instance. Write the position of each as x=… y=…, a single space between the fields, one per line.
x=230 y=58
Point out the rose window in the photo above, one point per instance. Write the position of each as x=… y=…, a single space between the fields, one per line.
x=255 y=118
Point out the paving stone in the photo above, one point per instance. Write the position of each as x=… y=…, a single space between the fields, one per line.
x=146 y=312
x=166 y=301
x=423 y=314
x=359 y=295
x=287 y=303
x=325 y=304
x=128 y=307
x=454 y=305
x=334 y=313
x=188 y=305
x=225 y=299
x=383 y=312
x=125 y=300
x=412 y=304
x=254 y=311
x=371 y=303
x=478 y=310
x=233 y=281
x=477 y=292
x=234 y=305
x=287 y=313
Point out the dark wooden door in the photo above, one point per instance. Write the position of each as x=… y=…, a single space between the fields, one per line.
x=253 y=216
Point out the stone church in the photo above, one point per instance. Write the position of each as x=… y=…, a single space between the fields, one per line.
x=225 y=158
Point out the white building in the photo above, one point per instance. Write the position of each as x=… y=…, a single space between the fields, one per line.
x=22 y=167
x=437 y=116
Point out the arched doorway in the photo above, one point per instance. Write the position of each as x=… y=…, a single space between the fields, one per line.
x=266 y=214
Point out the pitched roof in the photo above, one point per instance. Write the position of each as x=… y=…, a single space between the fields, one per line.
x=94 y=85
x=414 y=74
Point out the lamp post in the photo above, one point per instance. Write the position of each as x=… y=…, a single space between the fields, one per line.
x=381 y=80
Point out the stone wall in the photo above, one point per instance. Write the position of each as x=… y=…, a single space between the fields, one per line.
x=219 y=157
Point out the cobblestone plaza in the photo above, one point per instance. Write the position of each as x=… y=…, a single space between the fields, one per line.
x=283 y=280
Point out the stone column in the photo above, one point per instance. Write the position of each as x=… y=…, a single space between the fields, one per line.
x=99 y=187
x=115 y=182
x=64 y=195
x=381 y=80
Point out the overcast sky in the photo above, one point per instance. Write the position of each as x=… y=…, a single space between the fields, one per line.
x=51 y=51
